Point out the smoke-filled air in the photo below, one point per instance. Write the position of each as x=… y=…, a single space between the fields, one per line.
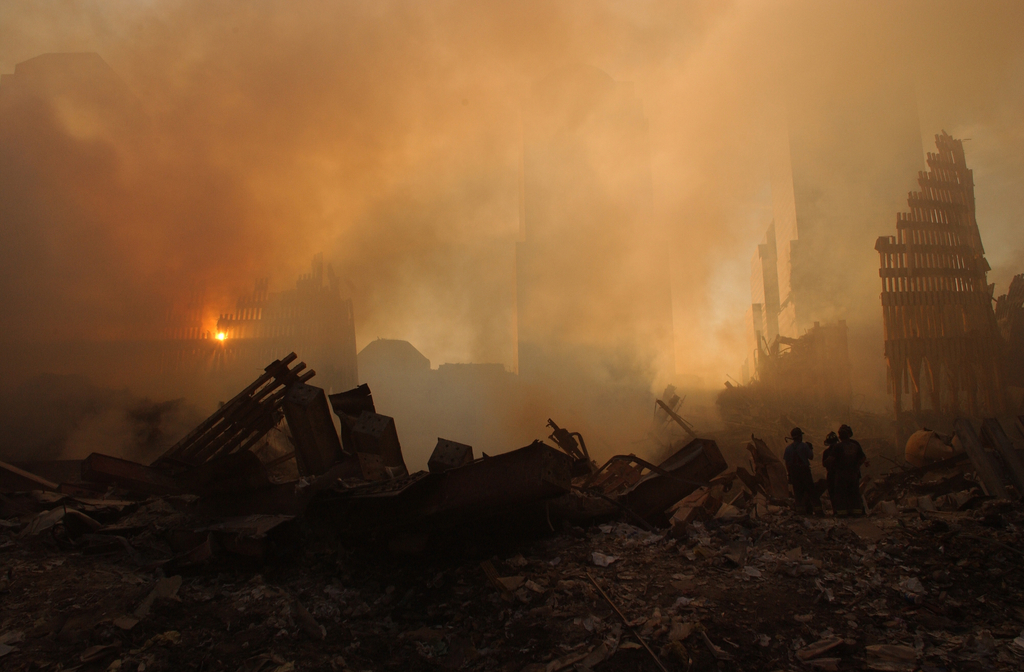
x=517 y=211
x=511 y=335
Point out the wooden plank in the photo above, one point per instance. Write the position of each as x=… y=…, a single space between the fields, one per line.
x=988 y=472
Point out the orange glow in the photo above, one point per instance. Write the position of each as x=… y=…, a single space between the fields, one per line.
x=221 y=335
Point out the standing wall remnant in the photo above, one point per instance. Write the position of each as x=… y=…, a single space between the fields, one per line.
x=942 y=345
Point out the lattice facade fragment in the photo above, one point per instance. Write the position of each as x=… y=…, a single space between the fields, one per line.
x=942 y=345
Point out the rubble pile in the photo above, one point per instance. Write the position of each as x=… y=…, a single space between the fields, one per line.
x=756 y=587
x=533 y=560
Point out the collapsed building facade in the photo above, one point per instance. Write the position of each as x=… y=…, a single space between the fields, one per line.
x=533 y=560
x=312 y=317
x=811 y=371
x=943 y=348
x=835 y=180
x=209 y=363
x=1010 y=319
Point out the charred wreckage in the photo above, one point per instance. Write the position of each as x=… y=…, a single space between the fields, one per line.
x=208 y=559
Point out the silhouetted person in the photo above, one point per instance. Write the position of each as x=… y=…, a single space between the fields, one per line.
x=849 y=458
x=798 y=458
x=828 y=460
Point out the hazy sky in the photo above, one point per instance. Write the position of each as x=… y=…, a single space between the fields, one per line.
x=387 y=135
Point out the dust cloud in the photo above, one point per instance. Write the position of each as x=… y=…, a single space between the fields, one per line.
x=247 y=136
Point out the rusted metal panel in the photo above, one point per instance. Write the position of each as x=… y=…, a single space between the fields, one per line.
x=615 y=476
x=488 y=486
x=317 y=445
x=353 y=402
x=689 y=468
x=372 y=467
x=530 y=474
x=448 y=455
x=994 y=436
x=376 y=434
x=99 y=468
x=348 y=406
x=988 y=470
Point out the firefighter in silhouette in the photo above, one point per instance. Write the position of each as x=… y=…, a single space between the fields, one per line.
x=828 y=460
x=798 y=458
x=849 y=458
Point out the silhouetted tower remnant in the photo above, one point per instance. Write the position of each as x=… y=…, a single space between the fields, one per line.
x=812 y=371
x=312 y=319
x=942 y=345
x=1010 y=318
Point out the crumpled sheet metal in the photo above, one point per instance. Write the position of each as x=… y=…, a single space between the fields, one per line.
x=485 y=487
x=690 y=467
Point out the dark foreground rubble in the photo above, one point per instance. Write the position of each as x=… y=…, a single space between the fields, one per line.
x=758 y=590
x=322 y=552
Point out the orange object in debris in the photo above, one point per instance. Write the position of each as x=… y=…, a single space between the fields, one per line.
x=924 y=447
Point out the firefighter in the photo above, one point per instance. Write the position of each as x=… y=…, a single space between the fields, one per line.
x=849 y=458
x=828 y=460
x=798 y=458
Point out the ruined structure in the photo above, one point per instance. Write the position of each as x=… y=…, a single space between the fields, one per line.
x=1010 y=318
x=842 y=142
x=812 y=372
x=942 y=344
x=312 y=319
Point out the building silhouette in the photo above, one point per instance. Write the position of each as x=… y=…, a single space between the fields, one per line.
x=311 y=319
x=840 y=153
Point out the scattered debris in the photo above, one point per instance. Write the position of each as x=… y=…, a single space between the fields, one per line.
x=524 y=561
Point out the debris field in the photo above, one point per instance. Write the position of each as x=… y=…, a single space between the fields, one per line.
x=217 y=557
